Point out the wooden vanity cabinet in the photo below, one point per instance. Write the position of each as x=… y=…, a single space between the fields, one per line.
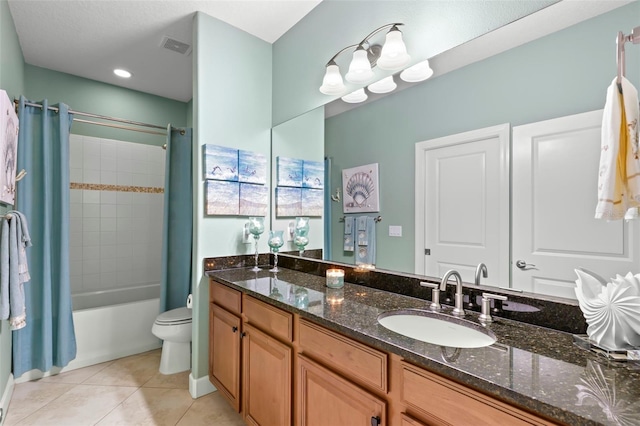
x=250 y=356
x=267 y=364
x=225 y=329
x=274 y=368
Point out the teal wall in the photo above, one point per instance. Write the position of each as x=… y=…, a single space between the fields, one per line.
x=12 y=81
x=231 y=107
x=91 y=96
x=302 y=138
x=431 y=27
x=11 y=60
x=561 y=74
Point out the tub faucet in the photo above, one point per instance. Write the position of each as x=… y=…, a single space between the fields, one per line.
x=481 y=269
x=458 y=311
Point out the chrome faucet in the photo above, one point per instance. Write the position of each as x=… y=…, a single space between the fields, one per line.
x=482 y=268
x=458 y=310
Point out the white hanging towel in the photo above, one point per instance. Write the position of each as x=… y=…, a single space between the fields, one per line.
x=619 y=179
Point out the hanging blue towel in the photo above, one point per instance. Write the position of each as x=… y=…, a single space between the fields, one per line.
x=366 y=248
x=14 y=271
x=348 y=233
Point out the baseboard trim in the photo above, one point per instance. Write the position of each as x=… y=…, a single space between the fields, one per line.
x=6 y=398
x=200 y=387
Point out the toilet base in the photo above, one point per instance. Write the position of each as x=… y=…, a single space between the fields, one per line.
x=176 y=357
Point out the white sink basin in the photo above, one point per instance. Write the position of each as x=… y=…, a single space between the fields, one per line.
x=438 y=329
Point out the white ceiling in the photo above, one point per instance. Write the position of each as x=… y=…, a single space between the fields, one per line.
x=89 y=38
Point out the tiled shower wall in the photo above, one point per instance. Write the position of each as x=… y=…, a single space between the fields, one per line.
x=116 y=214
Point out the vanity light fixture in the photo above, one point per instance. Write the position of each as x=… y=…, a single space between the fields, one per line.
x=122 y=73
x=392 y=56
x=355 y=97
x=385 y=85
x=418 y=72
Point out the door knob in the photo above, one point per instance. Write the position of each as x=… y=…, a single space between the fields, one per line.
x=524 y=265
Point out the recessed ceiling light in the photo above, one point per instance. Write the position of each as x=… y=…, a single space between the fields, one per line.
x=122 y=73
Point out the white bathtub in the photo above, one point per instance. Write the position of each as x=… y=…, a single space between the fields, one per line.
x=112 y=324
x=103 y=333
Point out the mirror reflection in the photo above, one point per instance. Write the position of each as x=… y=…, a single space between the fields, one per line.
x=513 y=142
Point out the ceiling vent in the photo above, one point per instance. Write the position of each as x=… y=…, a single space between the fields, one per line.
x=175 y=45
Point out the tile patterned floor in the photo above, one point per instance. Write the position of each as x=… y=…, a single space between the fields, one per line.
x=127 y=391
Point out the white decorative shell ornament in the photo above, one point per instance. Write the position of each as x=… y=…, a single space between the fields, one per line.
x=612 y=309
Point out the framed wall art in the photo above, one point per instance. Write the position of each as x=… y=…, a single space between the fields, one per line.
x=222 y=198
x=8 y=149
x=252 y=167
x=360 y=189
x=254 y=199
x=289 y=172
x=220 y=163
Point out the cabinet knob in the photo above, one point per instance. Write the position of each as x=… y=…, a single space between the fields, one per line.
x=243 y=334
x=375 y=421
x=234 y=329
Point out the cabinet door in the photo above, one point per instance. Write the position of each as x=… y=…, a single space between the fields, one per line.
x=266 y=379
x=324 y=398
x=224 y=353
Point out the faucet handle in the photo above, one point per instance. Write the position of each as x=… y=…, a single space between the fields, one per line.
x=485 y=316
x=435 y=295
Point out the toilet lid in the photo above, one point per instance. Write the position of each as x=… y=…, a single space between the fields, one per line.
x=180 y=315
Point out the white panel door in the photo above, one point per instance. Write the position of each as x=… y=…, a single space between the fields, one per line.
x=465 y=210
x=555 y=181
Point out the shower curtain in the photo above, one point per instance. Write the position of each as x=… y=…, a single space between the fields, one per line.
x=43 y=196
x=178 y=220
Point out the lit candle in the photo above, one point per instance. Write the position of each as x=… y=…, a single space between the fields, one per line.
x=335 y=296
x=335 y=278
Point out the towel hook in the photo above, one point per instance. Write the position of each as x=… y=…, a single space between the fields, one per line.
x=21 y=174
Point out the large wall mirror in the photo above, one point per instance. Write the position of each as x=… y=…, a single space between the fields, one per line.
x=554 y=76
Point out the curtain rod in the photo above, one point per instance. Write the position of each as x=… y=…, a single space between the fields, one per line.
x=104 y=117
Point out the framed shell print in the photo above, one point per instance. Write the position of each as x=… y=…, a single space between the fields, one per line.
x=360 y=189
x=8 y=149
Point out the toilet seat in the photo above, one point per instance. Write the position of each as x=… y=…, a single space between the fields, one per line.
x=174 y=317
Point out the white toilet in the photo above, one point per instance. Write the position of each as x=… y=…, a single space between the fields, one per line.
x=174 y=327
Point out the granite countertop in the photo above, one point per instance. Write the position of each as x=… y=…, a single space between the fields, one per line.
x=531 y=367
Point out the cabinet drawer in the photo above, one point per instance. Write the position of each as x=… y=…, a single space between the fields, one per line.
x=366 y=365
x=226 y=297
x=441 y=401
x=268 y=318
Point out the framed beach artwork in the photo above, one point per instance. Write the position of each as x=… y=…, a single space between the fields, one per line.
x=254 y=199
x=220 y=163
x=360 y=189
x=312 y=202
x=289 y=172
x=313 y=174
x=222 y=198
x=288 y=201
x=8 y=149
x=252 y=167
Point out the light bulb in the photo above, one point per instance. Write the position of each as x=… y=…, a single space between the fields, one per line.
x=360 y=67
x=385 y=85
x=332 y=82
x=418 y=72
x=355 y=97
x=122 y=73
x=394 y=53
